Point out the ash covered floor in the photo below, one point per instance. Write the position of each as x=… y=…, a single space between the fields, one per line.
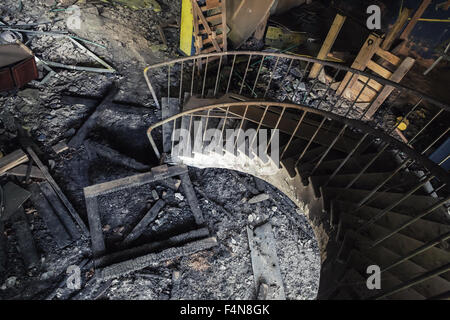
x=46 y=114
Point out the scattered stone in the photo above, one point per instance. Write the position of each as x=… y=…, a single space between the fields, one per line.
x=259 y=198
x=179 y=196
x=155 y=195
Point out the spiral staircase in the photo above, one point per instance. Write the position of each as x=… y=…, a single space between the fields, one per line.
x=372 y=199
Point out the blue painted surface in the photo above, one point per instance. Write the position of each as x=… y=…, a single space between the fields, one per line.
x=441 y=153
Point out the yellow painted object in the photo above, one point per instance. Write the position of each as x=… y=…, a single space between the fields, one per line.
x=187 y=28
x=402 y=124
x=281 y=39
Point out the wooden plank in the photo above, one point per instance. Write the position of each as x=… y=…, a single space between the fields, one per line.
x=58 y=191
x=87 y=126
x=60 y=147
x=192 y=198
x=366 y=53
x=126 y=267
x=132 y=181
x=21 y=171
x=224 y=26
x=215 y=19
x=328 y=43
x=396 y=28
x=210 y=4
x=265 y=264
x=46 y=212
x=397 y=76
x=151 y=247
x=148 y=218
x=372 y=83
x=11 y=160
x=423 y=6
x=381 y=71
x=98 y=245
x=60 y=211
x=386 y=55
x=219 y=37
x=261 y=28
x=205 y=24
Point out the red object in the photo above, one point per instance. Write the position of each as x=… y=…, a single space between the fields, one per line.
x=17 y=66
x=6 y=80
x=24 y=72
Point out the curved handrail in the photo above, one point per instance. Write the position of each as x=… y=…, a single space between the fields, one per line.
x=436 y=170
x=338 y=66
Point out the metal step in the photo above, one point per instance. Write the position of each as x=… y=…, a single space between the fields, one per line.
x=412 y=206
x=422 y=230
x=384 y=163
x=368 y=181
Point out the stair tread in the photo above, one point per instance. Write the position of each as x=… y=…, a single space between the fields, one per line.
x=383 y=256
x=354 y=164
x=399 y=245
x=423 y=229
x=412 y=206
x=360 y=262
x=368 y=180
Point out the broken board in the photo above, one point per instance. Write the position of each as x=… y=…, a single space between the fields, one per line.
x=266 y=268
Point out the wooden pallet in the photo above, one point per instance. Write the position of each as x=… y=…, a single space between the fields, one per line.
x=388 y=66
x=210 y=28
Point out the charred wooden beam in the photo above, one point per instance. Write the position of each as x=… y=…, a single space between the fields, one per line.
x=11 y=160
x=59 y=192
x=21 y=171
x=25 y=240
x=149 y=217
x=115 y=156
x=60 y=210
x=45 y=210
x=126 y=267
x=151 y=247
x=89 y=124
x=192 y=198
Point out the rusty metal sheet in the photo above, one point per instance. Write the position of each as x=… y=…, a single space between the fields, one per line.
x=243 y=16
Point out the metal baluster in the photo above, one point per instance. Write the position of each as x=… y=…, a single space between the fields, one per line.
x=410 y=222
x=181 y=82
x=392 y=206
x=218 y=76
x=271 y=77
x=194 y=62
x=259 y=126
x=276 y=128
x=204 y=77
x=419 y=279
x=293 y=133
x=245 y=74
x=241 y=125
x=311 y=140
x=257 y=76
x=231 y=73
